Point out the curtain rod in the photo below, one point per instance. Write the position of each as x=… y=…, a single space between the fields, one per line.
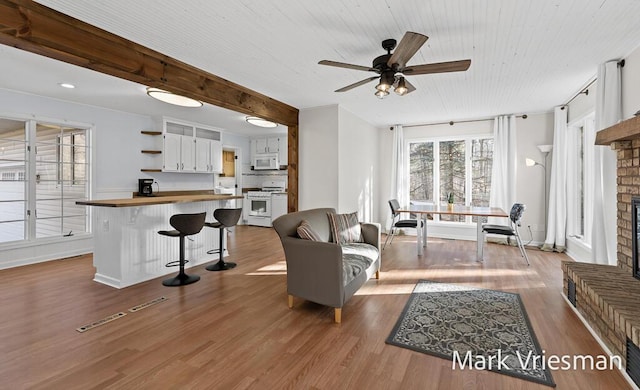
x=585 y=90
x=523 y=116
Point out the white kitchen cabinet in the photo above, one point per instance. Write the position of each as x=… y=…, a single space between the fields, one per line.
x=283 y=152
x=272 y=144
x=208 y=151
x=260 y=145
x=217 y=165
x=171 y=152
x=278 y=205
x=188 y=147
x=179 y=153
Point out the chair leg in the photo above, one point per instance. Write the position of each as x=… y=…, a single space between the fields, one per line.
x=393 y=233
x=378 y=274
x=389 y=234
x=221 y=265
x=337 y=315
x=522 y=250
x=182 y=279
x=290 y=301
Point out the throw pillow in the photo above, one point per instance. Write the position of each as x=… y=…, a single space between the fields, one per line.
x=306 y=232
x=345 y=228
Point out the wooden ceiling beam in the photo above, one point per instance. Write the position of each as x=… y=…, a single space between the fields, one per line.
x=33 y=27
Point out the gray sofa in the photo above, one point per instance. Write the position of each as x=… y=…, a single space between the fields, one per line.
x=323 y=271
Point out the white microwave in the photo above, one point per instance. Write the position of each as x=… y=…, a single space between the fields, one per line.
x=266 y=161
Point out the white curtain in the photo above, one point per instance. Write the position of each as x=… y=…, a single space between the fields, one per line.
x=557 y=212
x=503 y=172
x=399 y=188
x=608 y=112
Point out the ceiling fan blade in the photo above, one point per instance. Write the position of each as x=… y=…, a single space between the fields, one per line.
x=359 y=83
x=348 y=66
x=411 y=42
x=440 y=67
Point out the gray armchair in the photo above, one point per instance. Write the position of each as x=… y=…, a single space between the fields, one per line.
x=322 y=271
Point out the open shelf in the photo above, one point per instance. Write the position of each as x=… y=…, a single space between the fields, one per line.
x=146 y=132
x=151 y=151
x=150 y=170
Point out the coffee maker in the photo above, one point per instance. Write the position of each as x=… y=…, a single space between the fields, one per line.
x=145 y=187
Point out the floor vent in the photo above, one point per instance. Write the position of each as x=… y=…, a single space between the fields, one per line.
x=103 y=321
x=571 y=292
x=147 y=304
x=633 y=361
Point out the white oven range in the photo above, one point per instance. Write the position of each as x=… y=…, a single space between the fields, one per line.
x=260 y=203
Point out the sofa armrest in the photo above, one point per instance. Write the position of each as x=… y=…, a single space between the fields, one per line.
x=371 y=233
x=314 y=270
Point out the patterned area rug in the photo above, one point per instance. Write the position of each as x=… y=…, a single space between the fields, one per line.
x=474 y=328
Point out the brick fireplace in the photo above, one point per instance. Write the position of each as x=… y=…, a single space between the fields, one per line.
x=608 y=297
x=624 y=138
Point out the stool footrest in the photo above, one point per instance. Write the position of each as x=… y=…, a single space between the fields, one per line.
x=176 y=263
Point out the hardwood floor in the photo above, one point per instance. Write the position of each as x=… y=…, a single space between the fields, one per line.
x=233 y=329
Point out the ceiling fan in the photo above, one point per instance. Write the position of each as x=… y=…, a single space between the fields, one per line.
x=392 y=68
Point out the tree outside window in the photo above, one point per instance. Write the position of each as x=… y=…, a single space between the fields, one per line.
x=462 y=167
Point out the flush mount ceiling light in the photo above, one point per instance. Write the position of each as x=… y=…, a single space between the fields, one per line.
x=67 y=85
x=254 y=120
x=171 y=98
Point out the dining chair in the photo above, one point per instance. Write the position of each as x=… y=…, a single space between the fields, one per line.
x=397 y=223
x=510 y=230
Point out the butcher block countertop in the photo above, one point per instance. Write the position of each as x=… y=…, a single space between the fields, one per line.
x=153 y=200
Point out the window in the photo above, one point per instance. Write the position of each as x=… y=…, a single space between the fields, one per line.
x=71 y=157
x=44 y=172
x=459 y=166
x=580 y=171
x=421 y=171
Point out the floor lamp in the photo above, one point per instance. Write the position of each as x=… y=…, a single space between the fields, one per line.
x=544 y=149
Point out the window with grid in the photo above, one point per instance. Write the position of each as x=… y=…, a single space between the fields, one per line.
x=44 y=172
x=459 y=166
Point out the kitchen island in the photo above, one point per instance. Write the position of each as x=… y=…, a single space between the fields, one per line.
x=127 y=246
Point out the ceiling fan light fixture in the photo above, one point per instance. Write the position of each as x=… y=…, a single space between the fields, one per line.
x=401 y=89
x=381 y=94
x=383 y=87
x=254 y=120
x=172 y=98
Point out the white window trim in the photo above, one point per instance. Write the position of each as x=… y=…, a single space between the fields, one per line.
x=587 y=122
x=30 y=122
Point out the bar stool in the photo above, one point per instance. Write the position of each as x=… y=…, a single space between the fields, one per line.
x=184 y=225
x=225 y=218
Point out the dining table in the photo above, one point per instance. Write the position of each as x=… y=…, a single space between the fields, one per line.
x=422 y=210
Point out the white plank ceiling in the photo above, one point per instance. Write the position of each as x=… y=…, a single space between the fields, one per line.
x=527 y=56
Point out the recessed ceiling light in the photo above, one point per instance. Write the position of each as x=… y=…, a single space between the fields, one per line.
x=172 y=98
x=254 y=120
x=67 y=85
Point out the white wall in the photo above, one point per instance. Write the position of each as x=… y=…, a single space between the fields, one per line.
x=357 y=161
x=318 y=157
x=338 y=162
x=631 y=84
x=116 y=160
x=536 y=130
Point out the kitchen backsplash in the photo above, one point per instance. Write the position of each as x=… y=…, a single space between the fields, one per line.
x=254 y=179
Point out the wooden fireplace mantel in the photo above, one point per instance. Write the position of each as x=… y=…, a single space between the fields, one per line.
x=624 y=131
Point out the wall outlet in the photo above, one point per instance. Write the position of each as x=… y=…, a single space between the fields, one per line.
x=105 y=225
